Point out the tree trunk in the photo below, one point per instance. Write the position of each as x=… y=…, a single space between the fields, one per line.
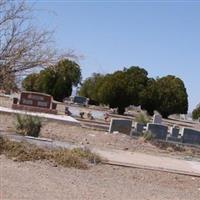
x=120 y=110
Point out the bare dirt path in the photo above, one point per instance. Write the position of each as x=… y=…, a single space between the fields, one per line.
x=41 y=181
x=125 y=158
x=128 y=158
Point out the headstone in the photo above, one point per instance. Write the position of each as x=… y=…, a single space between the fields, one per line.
x=190 y=136
x=121 y=125
x=36 y=102
x=159 y=131
x=174 y=132
x=80 y=100
x=157 y=119
x=138 y=129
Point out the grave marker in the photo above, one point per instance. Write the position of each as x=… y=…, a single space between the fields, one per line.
x=120 y=125
x=159 y=131
x=36 y=102
x=157 y=119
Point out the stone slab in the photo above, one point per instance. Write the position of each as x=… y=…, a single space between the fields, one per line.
x=120 y=125
x=190 y=136
x=64 y=118
x=159 y=131
x=153 y=162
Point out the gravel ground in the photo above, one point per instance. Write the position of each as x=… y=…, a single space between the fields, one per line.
x=40 y=180
x=88 y=137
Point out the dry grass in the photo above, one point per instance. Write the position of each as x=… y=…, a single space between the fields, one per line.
x=77 y=158
x=168 y=146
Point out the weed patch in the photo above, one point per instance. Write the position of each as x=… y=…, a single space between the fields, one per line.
x=77 y=158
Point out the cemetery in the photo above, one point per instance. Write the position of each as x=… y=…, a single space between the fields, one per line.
x=97 y=100
x=37 y=103
x=117 y=140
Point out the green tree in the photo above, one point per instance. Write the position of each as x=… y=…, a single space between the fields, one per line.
x=171 y=96
x=113 y=91
x=90 y=87
x=149 y=97
x=118 y=90
x=136 y=81
x=196 y=113
x=56 y=80
x=29 y=83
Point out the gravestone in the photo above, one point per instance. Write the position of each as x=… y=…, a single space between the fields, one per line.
x=138 y=129
x=190 y=136
x=174 y=132
x=157 y=119
x=80 y=100
x=120 y=125
x=158 y=131
x=174 y=135
x=36 y=102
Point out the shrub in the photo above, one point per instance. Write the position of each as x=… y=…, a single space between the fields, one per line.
x=147 y=136
x=142 y=118
x=28 y=125
x=87 y=154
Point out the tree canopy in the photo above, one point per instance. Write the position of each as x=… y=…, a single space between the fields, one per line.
x=90 y=88
x=172 y=96
x=196 y=113
x=56 y=80
x=132 y=86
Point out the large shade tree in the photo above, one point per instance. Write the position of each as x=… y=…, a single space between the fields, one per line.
x=149 y=97
x=113 y=91
x=132 y=86
x=123 y=88
x=90 y=88
x=56 y=80
x=172 y=96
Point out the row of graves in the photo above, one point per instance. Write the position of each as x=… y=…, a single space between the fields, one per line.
x=43 y=103
x=157 y=129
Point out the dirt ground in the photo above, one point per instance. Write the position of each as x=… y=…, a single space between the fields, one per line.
x=92 y=138
x=40 y=180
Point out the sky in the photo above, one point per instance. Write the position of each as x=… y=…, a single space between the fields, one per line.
x=162 y=37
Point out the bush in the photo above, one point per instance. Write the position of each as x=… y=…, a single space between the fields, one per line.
x=142 y=118
x=147 y=136
x=87 y=154
x=28 y=125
